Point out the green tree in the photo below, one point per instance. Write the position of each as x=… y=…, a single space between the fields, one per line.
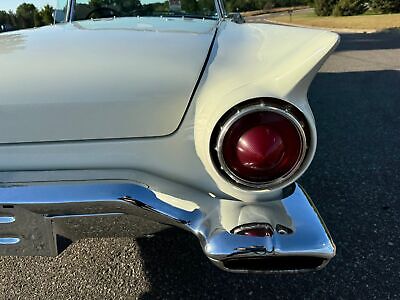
x=8 y=21
x=37 y=19
x=3 y=17
x=324 y=7
x=247 y=5
x=122 y=6
x=350 y=8
x=12 y=18
x=27 y=16
x=47 y=15
x=386 y=6
x=190 y=6
x=269 y=4
x=208 y=6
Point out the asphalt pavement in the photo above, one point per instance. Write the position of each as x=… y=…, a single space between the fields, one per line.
x=354 y=181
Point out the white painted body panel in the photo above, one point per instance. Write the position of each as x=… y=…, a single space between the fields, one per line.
x=118 y=78
x=247 y=61
x=251 y=61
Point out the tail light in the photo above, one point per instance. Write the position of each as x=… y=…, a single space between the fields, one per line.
x=254 y=229
x=260 y=145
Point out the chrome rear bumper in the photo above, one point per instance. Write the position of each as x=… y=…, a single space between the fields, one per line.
x=44 y=219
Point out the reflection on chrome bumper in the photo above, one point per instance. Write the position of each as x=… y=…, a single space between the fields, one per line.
x=44 y=219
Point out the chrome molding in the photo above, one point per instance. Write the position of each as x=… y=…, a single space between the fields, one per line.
x=70 y=10
x=7 y=220
x=49 y=217
x=9 y=241
x=262 y=106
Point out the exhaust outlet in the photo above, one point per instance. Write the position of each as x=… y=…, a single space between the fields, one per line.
x=272 y=263
x=275 y=264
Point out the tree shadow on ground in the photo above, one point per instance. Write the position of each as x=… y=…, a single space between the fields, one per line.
x=389 y=39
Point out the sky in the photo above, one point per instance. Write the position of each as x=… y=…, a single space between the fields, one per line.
x=13 y=4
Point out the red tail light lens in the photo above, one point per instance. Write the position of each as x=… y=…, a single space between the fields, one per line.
x=255 y=230
x=261 y=145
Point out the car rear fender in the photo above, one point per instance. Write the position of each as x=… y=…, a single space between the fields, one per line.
x=251 y=61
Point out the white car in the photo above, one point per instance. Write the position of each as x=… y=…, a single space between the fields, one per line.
x=127 y=116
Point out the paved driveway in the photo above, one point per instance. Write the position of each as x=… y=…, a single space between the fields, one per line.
x=354 y=180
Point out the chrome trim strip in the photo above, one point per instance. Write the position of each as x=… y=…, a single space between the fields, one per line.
x=218 y=7
x=7 y=220
x=223 y=10
x=44 y=213
x=66 y=216
x=70 y=10
x=9 y=241
x=252 y=109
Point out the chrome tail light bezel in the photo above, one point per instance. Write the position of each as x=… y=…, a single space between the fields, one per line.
x=283 y=108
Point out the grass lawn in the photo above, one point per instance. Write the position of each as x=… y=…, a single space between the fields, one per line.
x=367 y=21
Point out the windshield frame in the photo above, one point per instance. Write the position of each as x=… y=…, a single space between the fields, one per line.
x=71 y=7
